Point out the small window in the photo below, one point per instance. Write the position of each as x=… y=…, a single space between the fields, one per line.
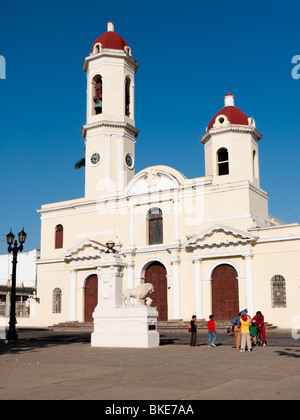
x=97 y=95
x=223 y=162
x=59 y=236
x=155 y=225
x=56 y=301
x=278 y=289
x=127 y=97
x=255 y=165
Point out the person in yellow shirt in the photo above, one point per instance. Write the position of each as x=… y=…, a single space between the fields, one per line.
x=245 y=331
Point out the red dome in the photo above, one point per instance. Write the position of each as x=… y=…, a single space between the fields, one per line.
x=233 y=114
x=111 y=39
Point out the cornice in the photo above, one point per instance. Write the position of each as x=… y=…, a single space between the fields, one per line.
x=242 y=129
x=111 y=54
x=109 y=124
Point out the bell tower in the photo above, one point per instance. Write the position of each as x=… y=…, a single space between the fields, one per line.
x=110 y=131
x=231 y=146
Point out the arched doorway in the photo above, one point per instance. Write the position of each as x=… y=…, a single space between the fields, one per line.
x=225 y=292
x=90 y=297
x=156 y=274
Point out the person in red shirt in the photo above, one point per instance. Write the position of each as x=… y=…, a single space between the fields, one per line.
x=260 y=325
x=212 y=332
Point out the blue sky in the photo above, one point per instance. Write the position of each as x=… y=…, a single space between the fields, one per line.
x=189 y=52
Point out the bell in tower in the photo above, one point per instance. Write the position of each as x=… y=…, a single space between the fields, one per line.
x=98 y=96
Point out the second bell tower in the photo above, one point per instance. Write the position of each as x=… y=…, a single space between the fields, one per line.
x=110 y=130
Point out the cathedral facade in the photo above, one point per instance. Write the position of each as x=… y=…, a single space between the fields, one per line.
x=208 y=244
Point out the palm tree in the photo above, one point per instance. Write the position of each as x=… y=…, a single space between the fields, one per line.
x=80 y=163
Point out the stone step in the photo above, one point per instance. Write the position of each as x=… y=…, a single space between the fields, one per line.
x=201 y=325
x=72 y=325
x=161 y=325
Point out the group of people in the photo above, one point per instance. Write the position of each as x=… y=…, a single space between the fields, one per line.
x=244 y=327
x=212 y=331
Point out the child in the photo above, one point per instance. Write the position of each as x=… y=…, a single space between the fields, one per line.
x=253 y=332
x=245 y=330
x=212 y=334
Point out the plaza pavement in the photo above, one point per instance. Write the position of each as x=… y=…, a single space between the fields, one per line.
x=61 y=365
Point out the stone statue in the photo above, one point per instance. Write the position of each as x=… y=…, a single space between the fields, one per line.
x=140 y=293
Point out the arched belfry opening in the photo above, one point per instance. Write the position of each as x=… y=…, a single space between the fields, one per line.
x=97 y=95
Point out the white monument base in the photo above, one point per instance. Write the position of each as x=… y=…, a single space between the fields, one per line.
x=126 y=326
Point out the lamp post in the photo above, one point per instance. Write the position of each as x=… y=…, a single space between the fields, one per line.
x=110 y=247
x=14 y=248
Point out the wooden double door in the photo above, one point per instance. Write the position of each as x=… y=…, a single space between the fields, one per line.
x=225 y=292
x=90 y=297
x=156 y=274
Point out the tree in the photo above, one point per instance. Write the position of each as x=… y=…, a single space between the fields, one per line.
x=80 y=163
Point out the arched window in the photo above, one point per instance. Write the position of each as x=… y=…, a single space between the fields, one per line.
x=127 y=97
x=59 y=236
x=97 y=94
x=278 y=291
x=155 y=226
x=255 y=165
x=56 y=301
x=223 y=161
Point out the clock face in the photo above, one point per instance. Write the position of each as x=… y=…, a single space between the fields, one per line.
x=129 y=161
x=95 y=159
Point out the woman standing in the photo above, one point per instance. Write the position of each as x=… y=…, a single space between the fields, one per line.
x=260 y=324
x=193 y=329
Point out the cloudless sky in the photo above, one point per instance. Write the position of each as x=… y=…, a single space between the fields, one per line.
x=190 y=52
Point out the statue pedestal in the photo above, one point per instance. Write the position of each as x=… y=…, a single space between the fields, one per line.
x=127 y=326
x=116 y=325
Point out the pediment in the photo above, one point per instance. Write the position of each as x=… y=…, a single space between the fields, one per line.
x=219 y=235
x=155 y=178
x=86 y=250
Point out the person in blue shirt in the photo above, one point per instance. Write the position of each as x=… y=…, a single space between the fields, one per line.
x=193 y=329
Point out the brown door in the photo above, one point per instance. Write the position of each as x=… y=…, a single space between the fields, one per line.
x=225 y=292
x=156 y=274
x=90 y=297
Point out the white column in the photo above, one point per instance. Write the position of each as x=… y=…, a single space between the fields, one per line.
x=176 y=287
x=176 y=220
x=107 y=174
x=132 y=227
x=198 y=299
x=120 y=163
x=73 y=296
x=249 y=284
x=130 y=271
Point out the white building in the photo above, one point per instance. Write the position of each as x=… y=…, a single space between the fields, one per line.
x=26 y=281
x=207 y=244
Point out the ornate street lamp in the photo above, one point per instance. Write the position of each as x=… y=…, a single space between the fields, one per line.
x=110 y=247
x=14 y=248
